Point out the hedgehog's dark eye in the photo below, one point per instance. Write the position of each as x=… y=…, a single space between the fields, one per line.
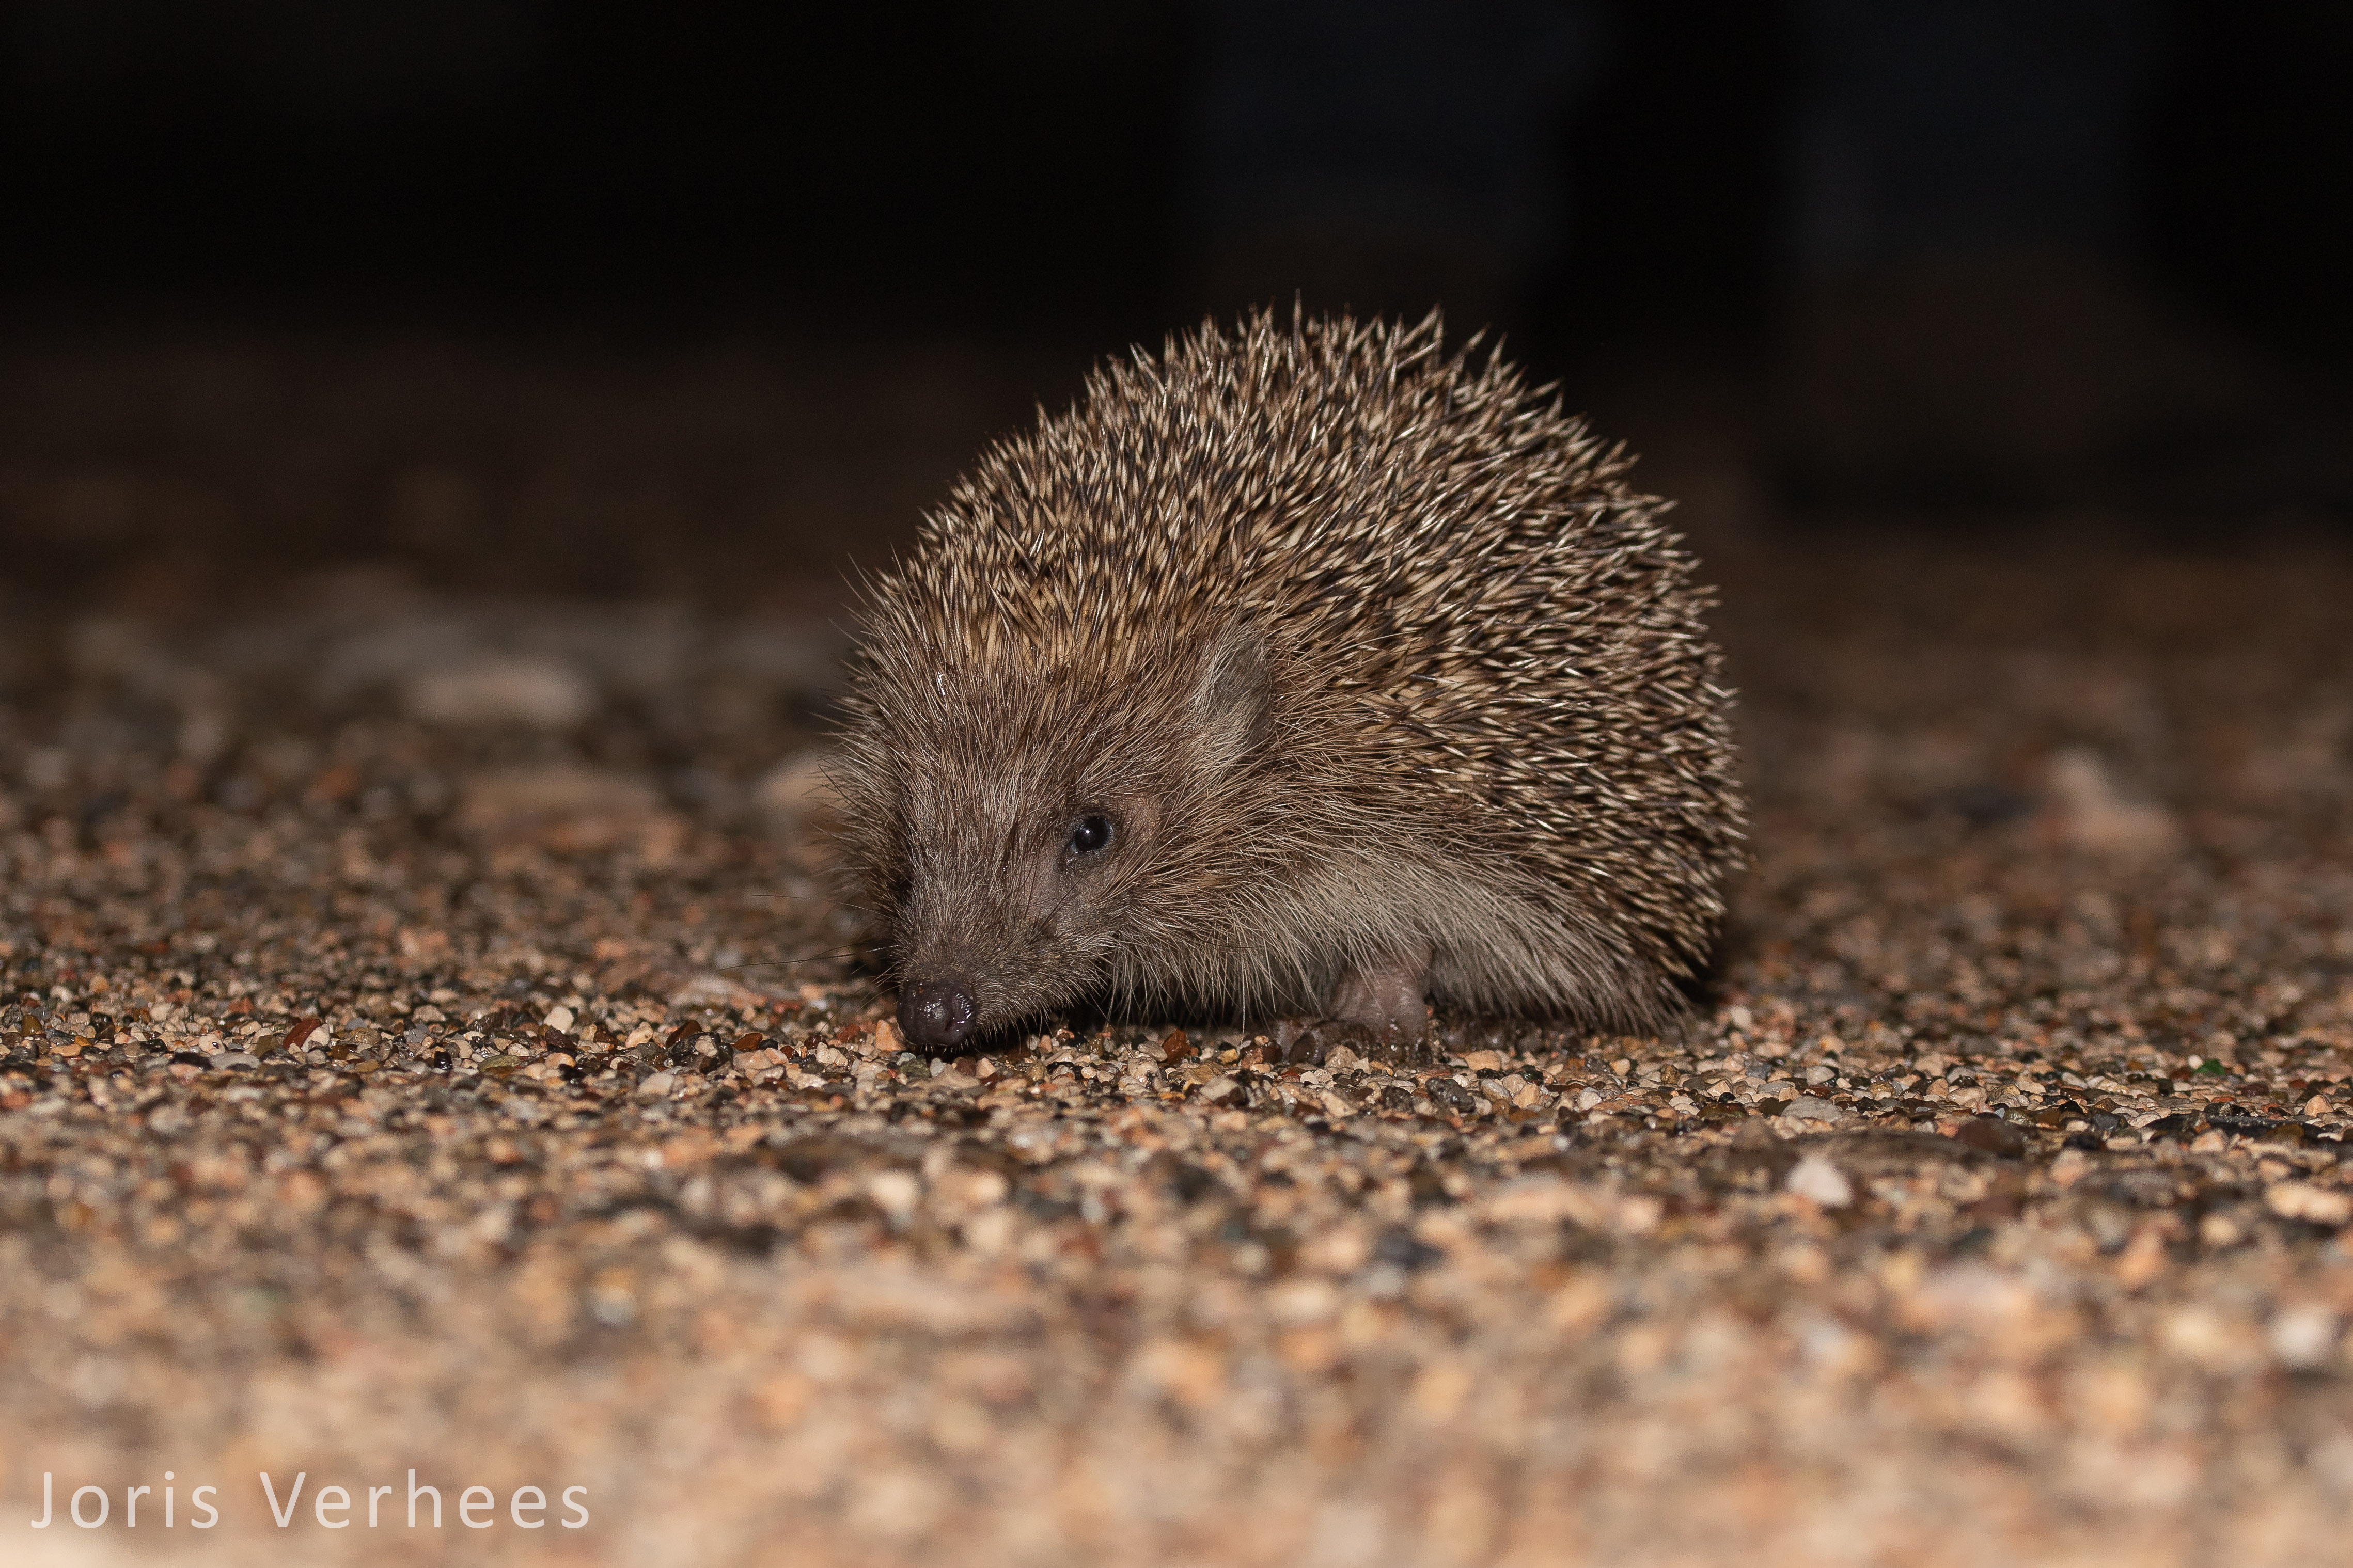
x=1089 y=834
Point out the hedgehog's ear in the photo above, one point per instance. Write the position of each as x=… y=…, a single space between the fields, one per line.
x=1235 y=699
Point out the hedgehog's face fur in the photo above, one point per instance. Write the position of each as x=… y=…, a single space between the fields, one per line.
x=1048 y=824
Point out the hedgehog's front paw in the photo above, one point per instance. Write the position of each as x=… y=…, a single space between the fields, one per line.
x=1384 y=998
x=1310 y=1042
x=1297 y=1041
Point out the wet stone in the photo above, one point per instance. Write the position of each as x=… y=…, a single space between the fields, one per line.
x=1449 y=1095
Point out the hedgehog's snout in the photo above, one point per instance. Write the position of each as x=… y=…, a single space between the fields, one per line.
x=938 y=1014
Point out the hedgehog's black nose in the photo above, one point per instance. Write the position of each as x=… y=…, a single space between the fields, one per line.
x=936 y=1015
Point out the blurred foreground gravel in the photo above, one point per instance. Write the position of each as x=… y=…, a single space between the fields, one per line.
x=427 y=1047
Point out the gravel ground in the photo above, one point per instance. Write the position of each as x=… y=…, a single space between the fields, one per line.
x=427 y=1046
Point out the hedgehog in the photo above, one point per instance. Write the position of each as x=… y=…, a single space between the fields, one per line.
x=1308 y=672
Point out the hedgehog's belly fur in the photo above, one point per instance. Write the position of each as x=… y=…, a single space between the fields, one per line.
x=1365 y=942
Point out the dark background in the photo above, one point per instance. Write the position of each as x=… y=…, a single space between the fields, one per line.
x=891 y=228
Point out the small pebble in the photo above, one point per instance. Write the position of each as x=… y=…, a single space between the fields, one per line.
x=1993 y=1135
x=500 y=690
x=1815 y=1177
x=2304 y=1200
